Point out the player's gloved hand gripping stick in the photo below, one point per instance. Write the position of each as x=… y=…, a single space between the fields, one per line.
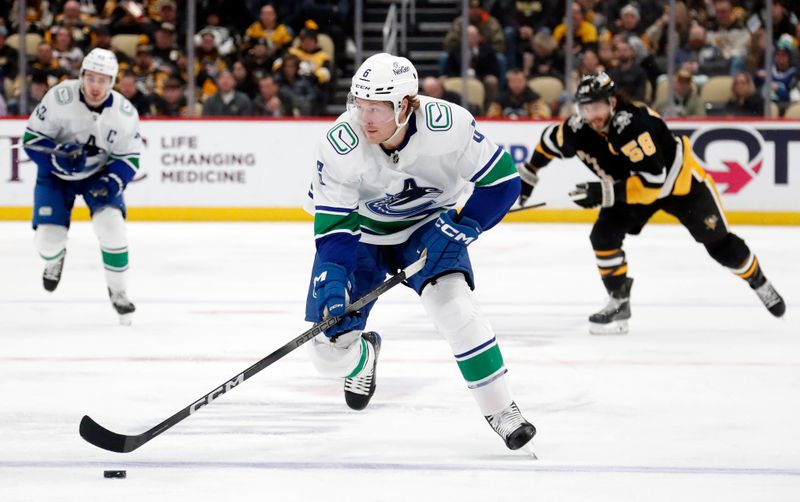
x=103 y=438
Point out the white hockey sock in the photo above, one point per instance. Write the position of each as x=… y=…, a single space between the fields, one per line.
x=349 y=356
x=50 y=241
x=452 y=307
x=109 y=226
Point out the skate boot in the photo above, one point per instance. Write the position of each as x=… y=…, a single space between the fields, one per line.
x=613 y=318
x=359 y=390
x=771 y=299
x=52 y=272
x=122 y=305
x=512 y=427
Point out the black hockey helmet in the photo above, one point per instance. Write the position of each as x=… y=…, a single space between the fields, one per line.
x=594 y=87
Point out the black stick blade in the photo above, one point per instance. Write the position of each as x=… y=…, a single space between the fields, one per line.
x=101 y=437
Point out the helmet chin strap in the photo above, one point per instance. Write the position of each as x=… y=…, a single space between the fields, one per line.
x=399 y=126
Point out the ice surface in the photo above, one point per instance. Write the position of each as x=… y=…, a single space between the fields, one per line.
x=701 y=401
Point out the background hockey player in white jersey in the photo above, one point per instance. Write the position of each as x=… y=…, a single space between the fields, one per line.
x=84 y=138
x=388 y=175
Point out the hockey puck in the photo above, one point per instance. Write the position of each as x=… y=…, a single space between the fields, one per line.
x=115 y=474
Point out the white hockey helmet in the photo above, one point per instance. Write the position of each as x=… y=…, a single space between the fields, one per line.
x=102 y=61
x=384 y=77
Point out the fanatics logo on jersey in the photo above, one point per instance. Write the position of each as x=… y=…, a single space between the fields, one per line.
x=64 y=96
x=342 y=138
x=438 y=117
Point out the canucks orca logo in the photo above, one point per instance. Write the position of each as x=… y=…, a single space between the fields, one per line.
x=410 y=201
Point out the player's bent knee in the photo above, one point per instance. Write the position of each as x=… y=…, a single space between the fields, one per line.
x=109 y=225
x=450 y=304
x=50 y=239
x=729 y=251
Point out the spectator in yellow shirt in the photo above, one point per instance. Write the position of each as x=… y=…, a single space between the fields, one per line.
x=312 y=58
x=268 y=28
x=585 y=32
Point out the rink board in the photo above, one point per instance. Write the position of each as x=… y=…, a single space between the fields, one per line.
x=259 y=170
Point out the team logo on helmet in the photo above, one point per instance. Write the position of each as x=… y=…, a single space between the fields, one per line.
x=733 y=156
x=411 y=200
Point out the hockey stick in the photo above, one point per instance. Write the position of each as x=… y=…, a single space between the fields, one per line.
x=52 y=151
x=103 y=438
x=525 y=208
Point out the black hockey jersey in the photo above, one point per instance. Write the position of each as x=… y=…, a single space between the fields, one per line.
x=638 y=150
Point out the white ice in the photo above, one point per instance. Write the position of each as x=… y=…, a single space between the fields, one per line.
x=701 y=401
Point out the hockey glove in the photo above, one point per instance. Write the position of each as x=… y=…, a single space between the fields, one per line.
x=529 y=177
x=445 y=241
x=68 y=158
x=104 y=188
x=598 y=193
x=332 y=294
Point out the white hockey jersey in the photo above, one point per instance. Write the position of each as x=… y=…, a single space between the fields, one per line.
x=357 y=188
x=111 y=135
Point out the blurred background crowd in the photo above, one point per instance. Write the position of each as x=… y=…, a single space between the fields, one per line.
x=295 y=58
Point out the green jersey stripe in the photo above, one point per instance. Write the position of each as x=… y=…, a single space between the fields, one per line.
x=388 y=227
x=326 y=223
x=503 y=168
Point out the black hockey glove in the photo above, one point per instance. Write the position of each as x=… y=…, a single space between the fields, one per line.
x=529 y=178
x=602 y=193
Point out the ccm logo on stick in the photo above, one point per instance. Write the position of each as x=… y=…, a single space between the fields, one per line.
x=216 y=393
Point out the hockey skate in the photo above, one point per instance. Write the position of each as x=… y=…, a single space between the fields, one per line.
x=613 y=318
x=359 y=390
x=512 y=427
x=52 y=272
x=122 y=305
x=771 y=299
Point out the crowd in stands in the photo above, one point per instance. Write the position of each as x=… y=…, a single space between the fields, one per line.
x=282 y=57
x=719 y=58
x=251 y=57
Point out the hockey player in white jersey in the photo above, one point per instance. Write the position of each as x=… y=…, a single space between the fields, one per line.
x=386 y=182
x=84 y=138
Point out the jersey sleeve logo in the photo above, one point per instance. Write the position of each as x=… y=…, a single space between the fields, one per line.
x=126 y=107
x=575 y=123
x=622 y=120
x=438 y=117
x=342 y=138
x=64 y=96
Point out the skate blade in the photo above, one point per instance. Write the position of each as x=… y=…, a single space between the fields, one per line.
x=125 y=319
x=528 y=448
x=613 y=328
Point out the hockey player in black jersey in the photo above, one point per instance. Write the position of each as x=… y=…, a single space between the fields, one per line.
x=642 y=168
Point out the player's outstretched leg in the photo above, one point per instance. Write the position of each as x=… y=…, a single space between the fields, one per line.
x=452 y=307
x=359 y=389
x=613 y=318
x=109 y=226
x=729 y=251
x=51 y=244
